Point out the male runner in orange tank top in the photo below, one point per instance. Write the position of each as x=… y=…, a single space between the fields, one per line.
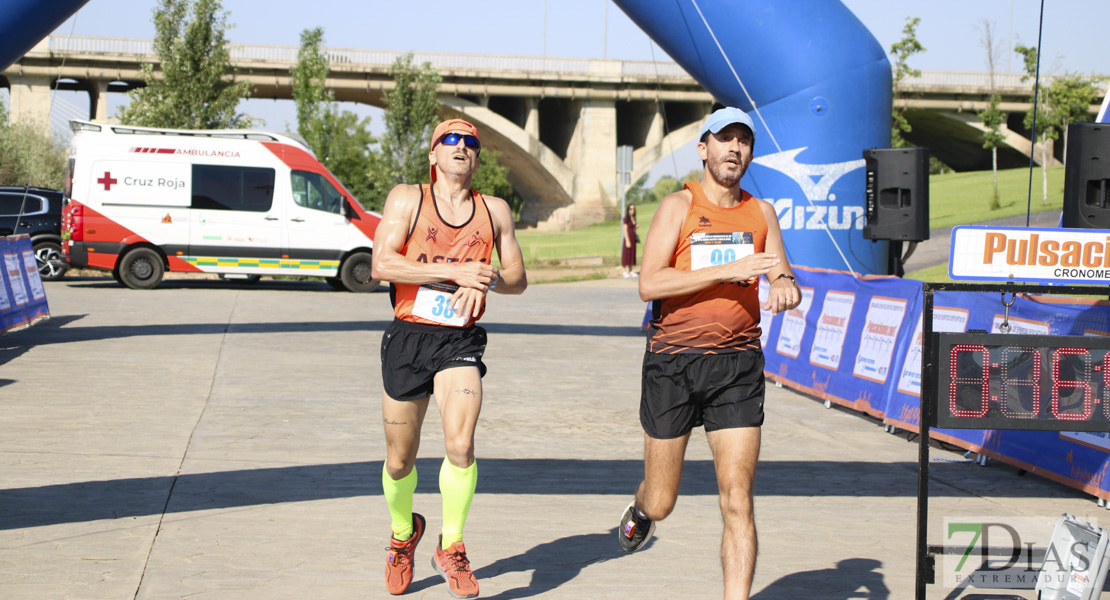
x=434 y=245
x=706 y=249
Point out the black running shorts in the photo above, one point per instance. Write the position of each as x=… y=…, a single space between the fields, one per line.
x=683 y=391
x=412 y=354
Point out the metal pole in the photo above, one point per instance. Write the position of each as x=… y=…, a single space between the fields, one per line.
x=605 y=32
x=925 y=571
x=1010 y=40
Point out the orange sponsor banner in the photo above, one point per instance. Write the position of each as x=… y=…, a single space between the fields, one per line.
x=1030 y=254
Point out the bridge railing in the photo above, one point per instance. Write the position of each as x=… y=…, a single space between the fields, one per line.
x=144 y=49
x=974 y=79
x=445 y=61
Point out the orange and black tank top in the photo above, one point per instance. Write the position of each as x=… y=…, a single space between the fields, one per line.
x=723 y=317
x=433 y=240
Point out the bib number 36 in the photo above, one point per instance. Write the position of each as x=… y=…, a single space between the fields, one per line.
x=435 y=305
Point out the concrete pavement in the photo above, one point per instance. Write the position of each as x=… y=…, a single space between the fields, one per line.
x=214 y=440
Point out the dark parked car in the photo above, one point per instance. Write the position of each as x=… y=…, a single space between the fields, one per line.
x=36 y=212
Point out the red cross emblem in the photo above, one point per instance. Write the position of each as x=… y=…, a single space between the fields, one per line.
x=107 y=181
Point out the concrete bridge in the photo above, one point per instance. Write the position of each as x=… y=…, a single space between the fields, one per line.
x=556 y=121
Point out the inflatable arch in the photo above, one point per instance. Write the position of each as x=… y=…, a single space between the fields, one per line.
x=818 y=86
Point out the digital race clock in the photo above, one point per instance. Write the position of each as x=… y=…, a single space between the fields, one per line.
x=1038 y=382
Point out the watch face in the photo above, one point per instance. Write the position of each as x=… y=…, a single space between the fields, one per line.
x=1037 y=382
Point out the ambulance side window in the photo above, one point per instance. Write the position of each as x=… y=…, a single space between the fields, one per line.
x=216 y=187
x=312 y=190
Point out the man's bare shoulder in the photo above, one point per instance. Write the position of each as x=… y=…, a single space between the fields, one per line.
x=405 y=190
x=496 y=203
x=766 y=207
x=676 y=202
x=403 y=197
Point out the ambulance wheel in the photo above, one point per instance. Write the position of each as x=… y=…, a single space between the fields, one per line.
x=355 y=273
x=335 y=283
x=141 y=269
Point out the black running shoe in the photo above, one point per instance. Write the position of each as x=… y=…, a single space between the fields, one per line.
x=635 y=529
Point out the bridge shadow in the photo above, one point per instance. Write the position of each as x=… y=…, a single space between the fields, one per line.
x=61 y=330
x=301 y=285
x=37 y=506
x=851 y=579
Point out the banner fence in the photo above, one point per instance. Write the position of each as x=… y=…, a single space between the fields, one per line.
x=857 y=342
x=22 y=295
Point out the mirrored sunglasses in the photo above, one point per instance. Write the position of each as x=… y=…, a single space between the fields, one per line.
x=452 y=139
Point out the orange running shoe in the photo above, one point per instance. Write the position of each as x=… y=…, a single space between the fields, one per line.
x=398 y=562
x=453 y=565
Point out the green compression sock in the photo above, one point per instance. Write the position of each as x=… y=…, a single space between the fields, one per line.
x=398 y=495
x=457 y=488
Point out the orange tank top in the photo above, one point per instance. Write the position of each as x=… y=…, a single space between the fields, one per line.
x=433 y=240
x=722 y=317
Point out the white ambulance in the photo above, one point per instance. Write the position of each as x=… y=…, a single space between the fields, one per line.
x=238 y=203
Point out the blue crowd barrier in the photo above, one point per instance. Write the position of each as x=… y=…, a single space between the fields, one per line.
x=856 y=342
x=22 y=295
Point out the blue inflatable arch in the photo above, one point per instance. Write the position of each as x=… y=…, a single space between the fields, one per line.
x=23 y=23
x=818 y=86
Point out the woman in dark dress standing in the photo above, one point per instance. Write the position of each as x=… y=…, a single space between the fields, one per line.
x=628 y=249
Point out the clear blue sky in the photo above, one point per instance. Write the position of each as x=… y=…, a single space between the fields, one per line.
x=1076 y=33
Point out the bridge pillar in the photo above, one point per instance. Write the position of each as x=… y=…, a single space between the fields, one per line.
x=592 y=157
x=30 y=99
x=657 y=129
x=532 y=118
x=98 y=101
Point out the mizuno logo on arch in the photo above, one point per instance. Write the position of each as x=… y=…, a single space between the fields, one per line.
x=815 y=182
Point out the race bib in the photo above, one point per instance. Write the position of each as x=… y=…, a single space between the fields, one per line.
x=433 y=302
x=712 y=249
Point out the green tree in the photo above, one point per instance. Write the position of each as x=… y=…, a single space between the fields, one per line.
x=312 y=98
x=347 y=141
x=666 y=185
x=411 y=113
x=1068 y=100
x=902 y=50
x=194 y=90
x=492 y=178
x=339 y=139
x=31 y=155
x=992 y=118
x=638 y=193
x=1037 y=115
x=693 y=175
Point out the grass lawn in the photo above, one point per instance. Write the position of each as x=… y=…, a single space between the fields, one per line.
x=964 y=198
x=600 y=240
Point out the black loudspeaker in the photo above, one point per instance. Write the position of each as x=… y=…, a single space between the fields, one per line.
x=897 y=194
x=1087 y=176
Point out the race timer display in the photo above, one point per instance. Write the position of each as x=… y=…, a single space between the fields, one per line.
x=1036 y=382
